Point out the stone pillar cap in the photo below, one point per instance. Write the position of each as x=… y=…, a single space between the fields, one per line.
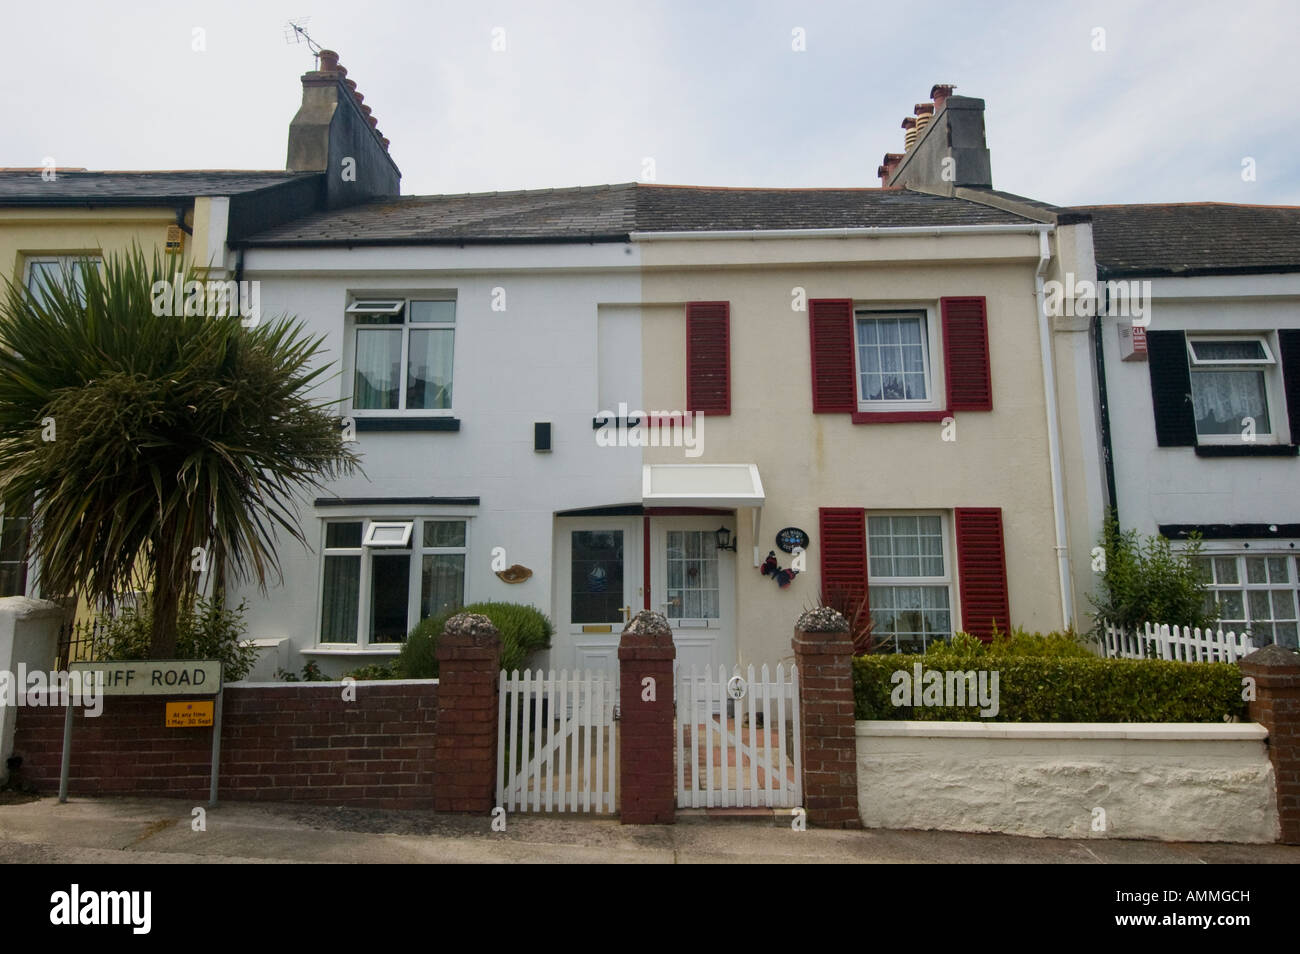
x=823 y=619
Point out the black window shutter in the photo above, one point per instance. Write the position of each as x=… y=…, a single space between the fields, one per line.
x=1171 y=389
x=1289 y=339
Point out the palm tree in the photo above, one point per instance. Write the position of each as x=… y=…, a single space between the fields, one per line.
x=157 y=446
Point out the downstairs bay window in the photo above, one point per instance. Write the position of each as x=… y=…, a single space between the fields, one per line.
x=381 y=577
x=1255 y=593
x=910 y=584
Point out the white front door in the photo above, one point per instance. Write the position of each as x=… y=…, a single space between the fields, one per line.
x=599 y=588
x=694 y=585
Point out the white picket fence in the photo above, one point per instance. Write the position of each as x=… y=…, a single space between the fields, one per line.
x=556 y=747
x=734 y=747
x=1178 y=643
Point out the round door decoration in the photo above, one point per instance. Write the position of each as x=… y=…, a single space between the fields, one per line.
x=736 y=687
x=791 y=537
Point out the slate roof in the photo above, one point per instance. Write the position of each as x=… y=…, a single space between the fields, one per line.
x=26 y=187
x=610 y=213
x=1187 y=239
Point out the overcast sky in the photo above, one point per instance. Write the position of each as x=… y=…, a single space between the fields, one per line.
x=583 y=93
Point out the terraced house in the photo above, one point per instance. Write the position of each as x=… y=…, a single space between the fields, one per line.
x=601 y=399
x=1202 y=419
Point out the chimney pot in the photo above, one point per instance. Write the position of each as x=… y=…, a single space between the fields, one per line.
x=923 y=109
x=358 y=97
x=384 y=139
x=887 y=166
x=366 y=110
x=374 y=122
x=940 y=92
x=351 y=85
x=329 y=61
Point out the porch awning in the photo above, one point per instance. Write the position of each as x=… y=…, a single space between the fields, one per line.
x=705 y=485
x=701 y=485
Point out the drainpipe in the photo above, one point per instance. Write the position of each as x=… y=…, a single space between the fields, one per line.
x=1053 y=432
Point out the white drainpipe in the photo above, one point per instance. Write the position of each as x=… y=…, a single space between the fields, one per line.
x=1053 y=432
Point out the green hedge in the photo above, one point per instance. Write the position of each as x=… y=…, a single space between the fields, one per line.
x=1061 y=689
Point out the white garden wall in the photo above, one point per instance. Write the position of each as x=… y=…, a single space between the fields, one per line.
x=1168 y=782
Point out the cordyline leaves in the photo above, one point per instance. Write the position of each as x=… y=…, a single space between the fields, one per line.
x=170 y=433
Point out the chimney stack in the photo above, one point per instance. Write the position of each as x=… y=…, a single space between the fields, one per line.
x=334 y=132
x=947 y=159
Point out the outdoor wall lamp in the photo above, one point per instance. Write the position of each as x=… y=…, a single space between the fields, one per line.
x=724 y=539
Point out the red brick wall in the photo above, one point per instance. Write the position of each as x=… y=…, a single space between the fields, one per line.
x=1276 y=707
x=298 y=742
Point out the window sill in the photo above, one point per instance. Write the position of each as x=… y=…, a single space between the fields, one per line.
x=407 y=423
x=1247 y=450
x=372 y=650
x=898 y=417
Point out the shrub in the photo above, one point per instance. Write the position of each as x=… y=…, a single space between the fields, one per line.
x=310 y=673
x=207 y=631
x=1062 y=689
x=374 y=671
x=1015 y=643
x=1146 y=580
x=856 y=612
x=524 y=631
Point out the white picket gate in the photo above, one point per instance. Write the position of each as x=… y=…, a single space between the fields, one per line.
x=556 y=747
x=1178 y=643
x=738 y=739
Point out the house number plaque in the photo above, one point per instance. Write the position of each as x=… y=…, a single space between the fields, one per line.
x=736 y=687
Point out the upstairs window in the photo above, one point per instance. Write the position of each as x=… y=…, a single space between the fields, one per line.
x=402 y=354
x=1230 y=387
x=893 y=360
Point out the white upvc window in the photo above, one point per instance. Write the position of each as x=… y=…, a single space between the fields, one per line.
x=46 y=271
x=897 y=367
x=909 y=579
x=381 y=577
x=402 y=352
x=1233 y=388
x=1255 y=592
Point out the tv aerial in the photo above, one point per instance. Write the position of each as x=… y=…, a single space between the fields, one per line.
x=295 y=31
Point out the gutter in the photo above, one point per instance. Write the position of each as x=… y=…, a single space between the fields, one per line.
x=1053 y=433
x=845 y=233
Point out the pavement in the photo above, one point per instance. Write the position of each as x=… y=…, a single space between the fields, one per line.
x=161 y=831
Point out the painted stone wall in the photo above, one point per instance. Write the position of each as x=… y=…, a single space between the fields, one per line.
x=1163 y=782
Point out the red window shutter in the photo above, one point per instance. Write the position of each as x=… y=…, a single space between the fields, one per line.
x=830 y=325
x=966 y=354
x=708 y=357
x=982 y=569
x=843 y=542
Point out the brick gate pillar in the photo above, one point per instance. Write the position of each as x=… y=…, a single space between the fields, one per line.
x=465 y=740
x=646 y=782
x=1276 y=707
x=823 y=651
